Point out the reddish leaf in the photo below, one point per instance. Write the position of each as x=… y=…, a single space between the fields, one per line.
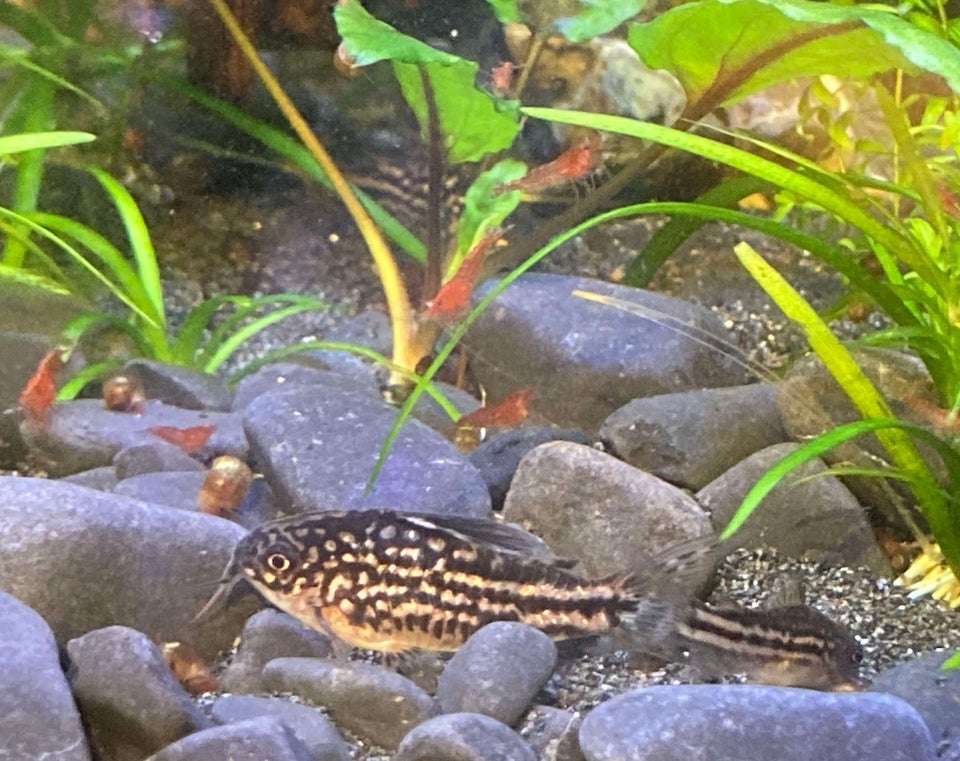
x=38 y=395
x=188 y=439
x=453 y=297
x=509 y=411
x=574 y=163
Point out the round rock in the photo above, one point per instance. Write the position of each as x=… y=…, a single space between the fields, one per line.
x=38 y=718
x=463 y=737
x=83 y=434
x=377 y=705
x=128 y=694
x=747 y=723
x=587 y=359
x=85 y=559
x=317 y=447
x=270 y=634
x=261 y=739
x=498 y=457
x=810 y=513
x=692 y=437
x=180 y=386
x=498 y=672
x=310 y=726
x=934 y=692
x=590 y=506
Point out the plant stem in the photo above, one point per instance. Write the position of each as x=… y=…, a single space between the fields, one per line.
x=406 y=349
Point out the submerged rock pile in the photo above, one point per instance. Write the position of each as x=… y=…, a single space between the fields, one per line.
x=638 y=438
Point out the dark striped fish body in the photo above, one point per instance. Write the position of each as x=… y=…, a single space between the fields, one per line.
x=795 y=646
x=391 y=581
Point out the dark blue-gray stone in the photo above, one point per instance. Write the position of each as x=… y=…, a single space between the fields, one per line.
x=181 y=386
x=85 y=559
x=310 y=726
x=463 y=737
x=586 y=359
x=38 y=718
x=377 y=705
x=317 y=446
x=753 y=723
x=83 y=434
x=261 y=739
x=128 y=694
x=691 y=437
x=498 y=672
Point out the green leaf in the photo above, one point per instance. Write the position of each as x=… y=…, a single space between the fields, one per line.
x=484 y=209
x=140 y=244
x=598 y=17
x=36 y=140
x=506 y=11
x=951 y=663
x=473 y=123
x=816 y=190
x=369 y=40
x=32 y=280
x=723 y=50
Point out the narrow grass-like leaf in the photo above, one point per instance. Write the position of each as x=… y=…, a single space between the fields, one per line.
x=140 y=244
x=239 y=337
x=77 y=257
x=10 y=144
x=113 y=261
x=29 y=279
x=865 y=398
x=816 y=192
x=190 y=335
x=79 y=380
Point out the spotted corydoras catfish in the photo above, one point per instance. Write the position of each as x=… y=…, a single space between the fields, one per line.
x=392 y=582
x=389 y=581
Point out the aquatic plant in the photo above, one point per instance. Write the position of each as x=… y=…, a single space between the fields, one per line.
x=914 y=238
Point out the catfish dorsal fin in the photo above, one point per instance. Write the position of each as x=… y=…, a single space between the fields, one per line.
x=674 y=573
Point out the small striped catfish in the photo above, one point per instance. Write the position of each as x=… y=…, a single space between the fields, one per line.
x=394 y=582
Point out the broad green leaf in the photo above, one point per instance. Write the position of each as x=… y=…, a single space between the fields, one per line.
x=506 y=11
x=369 y=40
x=722 y=50
x=473 y=123
x=598 y=17
x=36 y=140
x=483 y=208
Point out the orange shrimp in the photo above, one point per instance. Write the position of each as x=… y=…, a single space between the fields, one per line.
x=575 y=162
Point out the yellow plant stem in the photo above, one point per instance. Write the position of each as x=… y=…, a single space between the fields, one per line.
x=409 y=343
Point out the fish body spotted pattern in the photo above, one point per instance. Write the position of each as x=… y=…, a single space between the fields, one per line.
x=391 y=581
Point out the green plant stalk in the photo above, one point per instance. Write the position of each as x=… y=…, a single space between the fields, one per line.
x=864 y=396
x=37 y=116
x=408 y=347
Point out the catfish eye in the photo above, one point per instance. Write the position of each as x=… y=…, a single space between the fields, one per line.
x=278 y=562
x=857 y=657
